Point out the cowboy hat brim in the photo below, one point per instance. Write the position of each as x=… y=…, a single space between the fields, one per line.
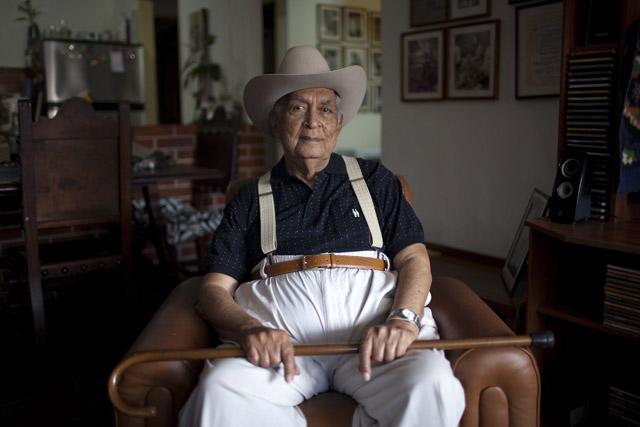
x=262 y=92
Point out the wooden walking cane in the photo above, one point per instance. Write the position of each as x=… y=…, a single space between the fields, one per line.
x=543 y=339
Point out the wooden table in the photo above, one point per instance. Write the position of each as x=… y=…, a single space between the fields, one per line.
x=10 y=181
x=10 y=187
x=176 y=172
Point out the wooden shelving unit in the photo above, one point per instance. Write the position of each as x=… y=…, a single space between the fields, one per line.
x=568 y=262
x=567 y=274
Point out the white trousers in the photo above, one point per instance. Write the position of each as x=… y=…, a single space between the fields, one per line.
x=324 y=306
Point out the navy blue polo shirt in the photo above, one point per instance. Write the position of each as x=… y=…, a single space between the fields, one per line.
x=325 y=219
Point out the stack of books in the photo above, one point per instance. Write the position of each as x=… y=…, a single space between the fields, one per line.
x=622 y=300
x=624 y=408
x=591 y=117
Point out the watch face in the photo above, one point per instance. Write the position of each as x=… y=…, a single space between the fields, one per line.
x=408 y=314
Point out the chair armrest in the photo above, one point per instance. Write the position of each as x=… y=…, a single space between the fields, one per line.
x=502 y=385
x=166 y=385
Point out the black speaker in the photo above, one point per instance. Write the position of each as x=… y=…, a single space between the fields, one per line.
x=571 y=196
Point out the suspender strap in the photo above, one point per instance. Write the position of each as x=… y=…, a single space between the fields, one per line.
x=364 y=199
x=268 y=241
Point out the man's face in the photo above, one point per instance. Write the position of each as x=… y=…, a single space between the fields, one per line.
x=308 y=124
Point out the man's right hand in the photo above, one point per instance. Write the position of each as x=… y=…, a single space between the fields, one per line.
x=267 y=347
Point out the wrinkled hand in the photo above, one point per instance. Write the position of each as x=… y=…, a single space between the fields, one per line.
x=267 y=347
x=385 y=343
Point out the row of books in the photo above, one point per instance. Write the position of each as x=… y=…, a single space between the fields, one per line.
x=590 y=118
x=622 y=300
x=624 y=408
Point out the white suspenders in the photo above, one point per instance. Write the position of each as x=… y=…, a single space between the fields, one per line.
x=268 y=240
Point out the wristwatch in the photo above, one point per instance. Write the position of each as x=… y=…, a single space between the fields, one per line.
x=405 y=314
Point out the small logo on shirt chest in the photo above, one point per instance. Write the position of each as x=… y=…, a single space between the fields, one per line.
x=355 y=212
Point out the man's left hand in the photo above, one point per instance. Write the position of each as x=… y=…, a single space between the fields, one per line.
x=385 y=343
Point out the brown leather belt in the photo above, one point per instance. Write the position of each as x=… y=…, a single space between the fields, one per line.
x=321 y=261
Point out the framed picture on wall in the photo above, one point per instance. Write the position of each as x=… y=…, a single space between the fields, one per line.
x=517 y=256
x=376 y=97
x=539 y=49
x=366 y=101
x=423 y=65
x=355 y=25
x=463 y=9
x=473 y=60
x=375 y=63
x=332 y=52
x=355 y=55
x=375 y=31
x=329 y=23
x=427 y=12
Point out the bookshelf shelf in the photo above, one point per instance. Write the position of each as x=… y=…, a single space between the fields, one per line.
x=570 y=314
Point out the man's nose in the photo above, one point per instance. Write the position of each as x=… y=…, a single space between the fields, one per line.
x=312 y=118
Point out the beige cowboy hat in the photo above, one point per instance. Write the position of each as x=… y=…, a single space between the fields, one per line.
x=303 y=67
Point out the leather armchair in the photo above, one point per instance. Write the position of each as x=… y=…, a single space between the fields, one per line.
x=502 y=384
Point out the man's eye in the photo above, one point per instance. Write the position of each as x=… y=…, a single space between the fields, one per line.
x=326 y=110
x=298 y=107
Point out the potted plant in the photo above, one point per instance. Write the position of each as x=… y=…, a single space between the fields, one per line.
x=200 y=72
x=29 y=12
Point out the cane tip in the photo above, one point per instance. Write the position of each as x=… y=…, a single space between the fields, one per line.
x=543 y=339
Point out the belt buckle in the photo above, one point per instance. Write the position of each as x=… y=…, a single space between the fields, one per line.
x=304 y=262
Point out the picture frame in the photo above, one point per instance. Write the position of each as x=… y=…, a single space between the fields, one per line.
x=375 y=64
x=332 y=52
x=539 y=49
x=355 y=55
x=465 y=9
x=376 y=97
x=366 y=101
x=423 y=65
x=472 y=64
x=375 y=29
x=329 y=23
x=428 y=12
x=355 y=25
x=517 y=256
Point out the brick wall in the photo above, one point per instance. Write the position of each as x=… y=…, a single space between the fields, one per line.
x=11 y=80
x=179 y=142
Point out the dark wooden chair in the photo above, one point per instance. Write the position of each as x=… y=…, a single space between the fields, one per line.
x=76 y=172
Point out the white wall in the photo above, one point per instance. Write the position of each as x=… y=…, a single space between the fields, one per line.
x=237 y=25
x=87 y=15
x=471 y=164
x=364 y=130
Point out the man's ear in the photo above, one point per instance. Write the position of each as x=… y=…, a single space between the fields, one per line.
x=340 y=122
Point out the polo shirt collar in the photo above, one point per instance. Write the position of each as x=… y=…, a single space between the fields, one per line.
x=336 y=166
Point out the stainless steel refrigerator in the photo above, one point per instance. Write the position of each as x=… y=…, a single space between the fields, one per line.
x=103 y=73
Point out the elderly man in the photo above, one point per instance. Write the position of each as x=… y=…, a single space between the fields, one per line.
x=316 y=236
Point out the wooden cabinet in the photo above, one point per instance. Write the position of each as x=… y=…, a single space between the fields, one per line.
x=567 y=274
